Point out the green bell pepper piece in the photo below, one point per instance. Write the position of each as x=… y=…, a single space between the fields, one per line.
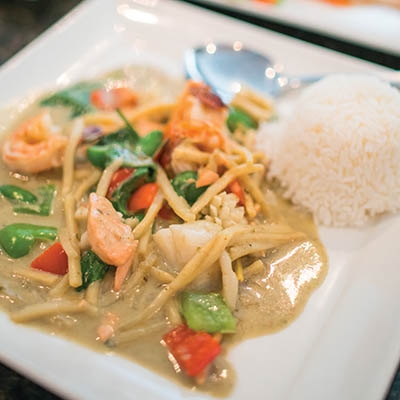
x=93 y=269
x=207 y=312
x=238 y=118
x=16 y=193
x=150 y=143
x=185 y=186
x=46 y=194
x=18 y=239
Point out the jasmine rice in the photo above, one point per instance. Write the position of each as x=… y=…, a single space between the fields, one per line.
x=339 y=153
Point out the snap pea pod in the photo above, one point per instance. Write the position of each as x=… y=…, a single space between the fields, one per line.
x=207 y=312
x=16 y=193
x=238 y=118
x=185 y=186
x=18 y=239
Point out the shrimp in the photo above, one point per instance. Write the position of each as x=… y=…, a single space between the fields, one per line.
x=35 y=146
x=110 y=238
x=199 y=115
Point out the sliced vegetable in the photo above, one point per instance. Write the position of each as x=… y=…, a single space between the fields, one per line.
x=122 y=193
x=46 y=194
x=93 y=269
x=18 y=239
x=118 y=178
x=76 y=97
x=207 y=312
x=185 y=185
x=142 y=198
x=111 y=99
x=236 y=188
x=150 y=143
x=193 y=351
x=53 y=260
x=239 y=119
x=16 y=193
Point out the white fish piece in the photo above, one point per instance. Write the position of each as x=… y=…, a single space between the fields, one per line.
x=180 y=242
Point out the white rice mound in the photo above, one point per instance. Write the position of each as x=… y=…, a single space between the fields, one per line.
x=339 y=153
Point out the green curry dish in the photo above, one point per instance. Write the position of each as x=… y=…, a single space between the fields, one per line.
x=121 y=144
x=124 y=190
x=184 y=185
x=93 y=269
x=239 y=119
x=25 y=202
x=76 y=97
x=207 y=312
x=18 y=239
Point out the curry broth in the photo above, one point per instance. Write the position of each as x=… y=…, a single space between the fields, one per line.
x=278 y=292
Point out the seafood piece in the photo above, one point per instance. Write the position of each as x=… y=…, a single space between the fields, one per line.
x=35 y=146
x=109 y=237
x=180 y=242
x=199 y=115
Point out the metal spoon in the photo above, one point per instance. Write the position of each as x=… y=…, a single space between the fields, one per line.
x=225 y=68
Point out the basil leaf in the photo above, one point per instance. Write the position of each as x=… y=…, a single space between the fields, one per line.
x=76 y=97
x=93 y=269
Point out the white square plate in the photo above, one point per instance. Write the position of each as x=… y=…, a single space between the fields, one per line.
x=371 y=25
x=345 y=345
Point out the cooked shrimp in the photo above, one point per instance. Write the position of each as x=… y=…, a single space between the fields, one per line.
x=199 y=115
x=109 y=237
x=35 y=146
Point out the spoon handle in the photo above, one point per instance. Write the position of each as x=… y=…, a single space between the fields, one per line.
x=296 y=82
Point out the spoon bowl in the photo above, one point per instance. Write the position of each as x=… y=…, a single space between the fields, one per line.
x=226 y=68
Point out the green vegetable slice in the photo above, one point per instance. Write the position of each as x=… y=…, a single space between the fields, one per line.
x=45 y=193
x=150 y=143
x=239 y=119
x=16 y=193
x=185 y=186
x=18 y=239
x=93 y=269
x=207 y=312
x=76 y=97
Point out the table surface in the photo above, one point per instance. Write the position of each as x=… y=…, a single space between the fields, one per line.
x=23 y=20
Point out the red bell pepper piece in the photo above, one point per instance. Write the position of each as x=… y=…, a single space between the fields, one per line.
x=192 y=350
x=142 y=197
x=118 y=177
x=53 y=260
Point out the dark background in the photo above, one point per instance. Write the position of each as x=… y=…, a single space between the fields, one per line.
x=23 y=20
